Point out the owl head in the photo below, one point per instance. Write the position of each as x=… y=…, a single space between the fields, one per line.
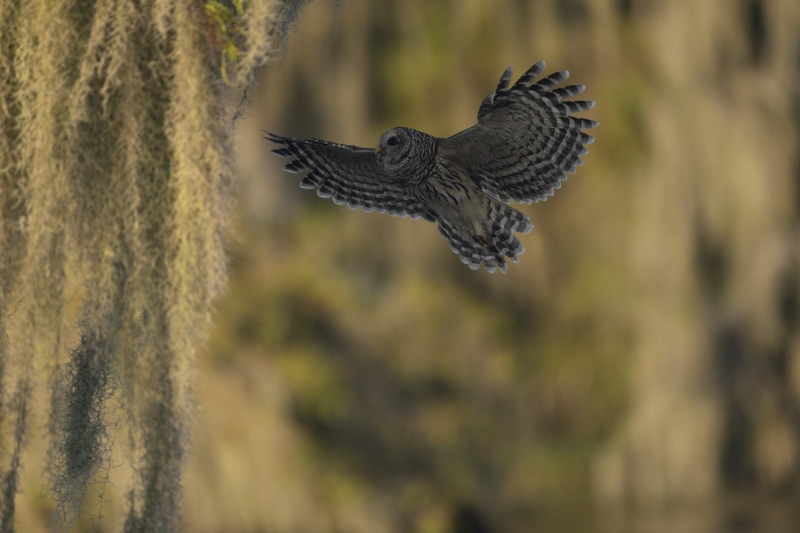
x=405 y=153
x=394 y=149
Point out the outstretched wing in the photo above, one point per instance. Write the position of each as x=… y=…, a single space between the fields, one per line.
x=526 y=140
x=348 y=175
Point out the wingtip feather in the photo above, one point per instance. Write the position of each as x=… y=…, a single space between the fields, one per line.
x=293 y=168
x=502 y=85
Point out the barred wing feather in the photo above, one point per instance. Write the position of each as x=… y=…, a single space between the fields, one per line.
x=526 y=140
x=348 y=175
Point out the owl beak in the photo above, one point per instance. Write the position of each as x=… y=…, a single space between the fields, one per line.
x=378 y=149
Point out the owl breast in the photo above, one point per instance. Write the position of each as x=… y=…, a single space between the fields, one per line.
x=454 y=197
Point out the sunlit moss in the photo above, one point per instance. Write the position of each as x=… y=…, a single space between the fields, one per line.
x=115 y=164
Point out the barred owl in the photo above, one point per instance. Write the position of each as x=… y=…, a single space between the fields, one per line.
x=525 y=143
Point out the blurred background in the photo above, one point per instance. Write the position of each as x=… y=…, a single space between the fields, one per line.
x=639 y=370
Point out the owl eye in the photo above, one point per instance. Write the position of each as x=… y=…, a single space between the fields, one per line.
x=393 y=141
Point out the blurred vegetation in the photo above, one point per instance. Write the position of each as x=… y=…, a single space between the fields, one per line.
x=635 y=369
x=638 y=370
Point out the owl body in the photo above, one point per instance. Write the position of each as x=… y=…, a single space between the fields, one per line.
x=477 y=227
x=524 y=144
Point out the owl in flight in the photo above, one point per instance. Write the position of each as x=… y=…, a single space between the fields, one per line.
x=525 y=143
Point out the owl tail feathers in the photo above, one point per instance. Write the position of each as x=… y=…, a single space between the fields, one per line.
x=506 y=218
x=495 y=243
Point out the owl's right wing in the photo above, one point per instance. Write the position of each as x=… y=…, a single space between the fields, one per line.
x=526 y=140
x=348 y=175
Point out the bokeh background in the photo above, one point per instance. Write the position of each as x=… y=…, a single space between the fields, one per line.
x=639 y=370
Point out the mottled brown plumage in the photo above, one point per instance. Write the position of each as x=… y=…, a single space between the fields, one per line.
x=525 y=143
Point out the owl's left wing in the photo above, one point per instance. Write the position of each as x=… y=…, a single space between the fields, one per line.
x=526 y=140
x=348 y=175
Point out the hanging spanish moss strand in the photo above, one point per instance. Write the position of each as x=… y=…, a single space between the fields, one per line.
x=115 y=164
x=11 y=248
x=36 y=182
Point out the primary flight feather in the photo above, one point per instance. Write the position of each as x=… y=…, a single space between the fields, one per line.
x=525 y=143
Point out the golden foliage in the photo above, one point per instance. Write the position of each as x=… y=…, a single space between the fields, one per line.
x=115 y=165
